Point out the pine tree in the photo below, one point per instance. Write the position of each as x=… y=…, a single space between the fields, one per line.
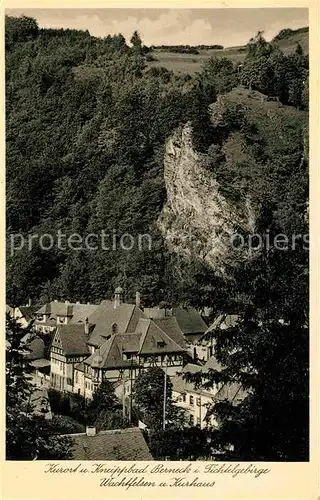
x=266 y=354
x=136 y=42
x=28 y=435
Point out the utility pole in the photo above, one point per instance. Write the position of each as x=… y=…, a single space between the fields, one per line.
x=165 y=395
x=123 y=394
x=130 y=409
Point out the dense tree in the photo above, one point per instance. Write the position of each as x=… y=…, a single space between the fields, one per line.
x=104 y=410
x=190 y=443
x=28 y=434
x=270 y=71
x=136 y=42
x=148 y=393
x=267 y=355
x=108 y=119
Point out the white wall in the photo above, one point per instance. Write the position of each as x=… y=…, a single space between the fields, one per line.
x=197 y=410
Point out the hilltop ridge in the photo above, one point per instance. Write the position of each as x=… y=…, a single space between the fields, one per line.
x=191 y=62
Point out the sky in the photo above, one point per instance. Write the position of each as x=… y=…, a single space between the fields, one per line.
x=225 y=27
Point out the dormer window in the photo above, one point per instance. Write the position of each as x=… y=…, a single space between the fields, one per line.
x=114 y=328
x=161 y=344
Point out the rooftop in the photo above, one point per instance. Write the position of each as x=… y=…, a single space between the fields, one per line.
x=122 y=444
x=76 y=311
x=189 y=320
x=124 y=316
x=73 y=339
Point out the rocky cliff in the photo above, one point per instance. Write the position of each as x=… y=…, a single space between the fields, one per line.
x=197 y=221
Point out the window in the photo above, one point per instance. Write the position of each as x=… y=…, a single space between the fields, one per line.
x=198 y=401
x=114 y=328
x=184 y=398
x=161 y=344
x=191 y=420
x=191 y=400
x=76 y=377
x=198 y=421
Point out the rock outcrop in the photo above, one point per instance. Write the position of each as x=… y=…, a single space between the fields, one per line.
x=197 y=221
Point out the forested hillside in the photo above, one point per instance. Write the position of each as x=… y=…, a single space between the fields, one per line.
x=98 y=140
x=86 y=125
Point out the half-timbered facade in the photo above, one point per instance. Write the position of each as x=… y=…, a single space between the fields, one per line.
x=69 y=347
x=116 y=342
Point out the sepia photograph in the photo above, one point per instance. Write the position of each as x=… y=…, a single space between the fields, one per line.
x=157 y=236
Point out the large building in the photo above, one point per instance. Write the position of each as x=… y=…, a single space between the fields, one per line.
x=197 y=401
x=56 y=313
x=116 y=341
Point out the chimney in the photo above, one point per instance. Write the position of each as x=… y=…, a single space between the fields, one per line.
x=138 y=300
x=117 y=297
x=86 y=326
x=66 y=302
x=29 y=302
x=90 y=430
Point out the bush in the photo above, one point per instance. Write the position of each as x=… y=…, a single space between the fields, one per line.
x=63 y=424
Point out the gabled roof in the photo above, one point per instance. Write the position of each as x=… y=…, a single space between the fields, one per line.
x=154 y=340
x=55 y=308
x=125 y=317
x=122 y=444
x=189 y=320
x=82 y=311
x=78 y=312
x=28 y=312
x=170 y=326
x=110 y=353
x=149 y=338
x=73 y=339
x=37 y=348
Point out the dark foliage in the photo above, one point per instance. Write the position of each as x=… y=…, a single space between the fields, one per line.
x=29 y=435
x=86 y=123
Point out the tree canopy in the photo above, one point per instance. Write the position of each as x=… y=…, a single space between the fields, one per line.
x=28 y=434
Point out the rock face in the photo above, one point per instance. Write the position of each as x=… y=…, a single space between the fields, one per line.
x=197 y=221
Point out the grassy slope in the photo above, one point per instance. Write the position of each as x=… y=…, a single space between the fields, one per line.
x=191 y=63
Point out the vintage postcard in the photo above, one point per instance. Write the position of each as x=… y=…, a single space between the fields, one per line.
x=160 y=277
